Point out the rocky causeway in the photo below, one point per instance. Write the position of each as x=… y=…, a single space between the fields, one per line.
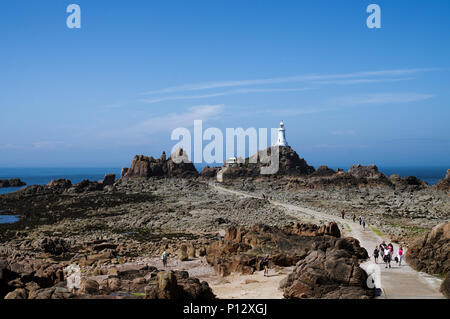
x=108 y=236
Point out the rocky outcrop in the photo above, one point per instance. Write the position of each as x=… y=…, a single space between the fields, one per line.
x=60 y=184
x=445 y=286
x=331 y=229
x=109 y=179
x=178 y=285
x=431 y=253
x=359 y=171
x=444 y=184
x=176 y=166
x=323 y=171
x=13 y=182
x=29 y=275
x=242 y=250
x=87 y=186
x=290 y=164
x=54 y=246
x=209 y=172
x=329 y=272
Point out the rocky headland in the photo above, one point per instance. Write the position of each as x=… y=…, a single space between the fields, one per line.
x=115 y=230
x=13 y=182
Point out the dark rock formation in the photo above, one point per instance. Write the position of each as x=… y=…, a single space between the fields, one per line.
x=331 y=229
x=178 y=285
x=124 y=172
x=209 y=171
x=431 y=253
x=13 y=182
x=54 y=246
x=445 y=286
x=242 y=249
x=323 y=171
x=290 y=164
x=87 y=186
x=444 y=184
x=329 y=272
x=30 y=274
x=143 y=166
x=60 y=184
x=109 y=179
x=370 y=171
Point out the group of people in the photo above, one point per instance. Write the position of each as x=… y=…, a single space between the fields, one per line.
x=387 y=253
x=266 y=197
x=362 y=222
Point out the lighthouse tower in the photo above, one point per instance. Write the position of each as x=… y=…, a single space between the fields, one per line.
x=281 y=136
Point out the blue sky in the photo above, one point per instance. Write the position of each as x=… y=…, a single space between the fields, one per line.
x=117 y=87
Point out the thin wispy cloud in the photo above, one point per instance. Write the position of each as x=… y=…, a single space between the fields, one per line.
x=343 y=132
x=382 y=98
x=363 y=81
x=170 y=121
x=290 y=79
x=47 y=145
x=232 y=92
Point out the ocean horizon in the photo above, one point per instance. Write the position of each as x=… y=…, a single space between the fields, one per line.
x=42 y=176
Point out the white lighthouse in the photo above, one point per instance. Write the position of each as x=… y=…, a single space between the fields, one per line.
x=281 y=135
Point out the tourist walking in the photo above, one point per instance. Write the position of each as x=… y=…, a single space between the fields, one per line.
x=343 y=214
x=360 y=220
x=265 y=264
x=354 y=217
x=387 y=257
x=364 y=224
x=400 y=255
x=164 y=259
x=376 y=253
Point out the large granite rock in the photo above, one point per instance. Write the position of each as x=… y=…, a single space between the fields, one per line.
x=143 y=166
x=444 y=184
x=242 y=250
x=290 y=164
x=431 y=253
x=13 y=182
x=359 y=171
x=329 y=272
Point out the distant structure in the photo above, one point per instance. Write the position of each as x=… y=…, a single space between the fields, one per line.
x=230 y=162
x=281 y=136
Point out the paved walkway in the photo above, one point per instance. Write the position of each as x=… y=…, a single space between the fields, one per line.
x=398 y=282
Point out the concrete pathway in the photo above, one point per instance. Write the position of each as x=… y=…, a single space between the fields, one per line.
x=398 y=282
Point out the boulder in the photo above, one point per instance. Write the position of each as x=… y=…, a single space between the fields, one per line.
x=323 y=171
x=183 y=253
x=176 y=165
x=444 y=184
x=55 y=245
x=13 y=182
x=19 y=293
x=60 y=184
x=89 y=286
x=209 y=171
x=445 y=286
x=431 y=252
x=331 y=272
x=359 y=171
x=109 y=179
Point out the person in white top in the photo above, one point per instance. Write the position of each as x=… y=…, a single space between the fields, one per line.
x=387 y=257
